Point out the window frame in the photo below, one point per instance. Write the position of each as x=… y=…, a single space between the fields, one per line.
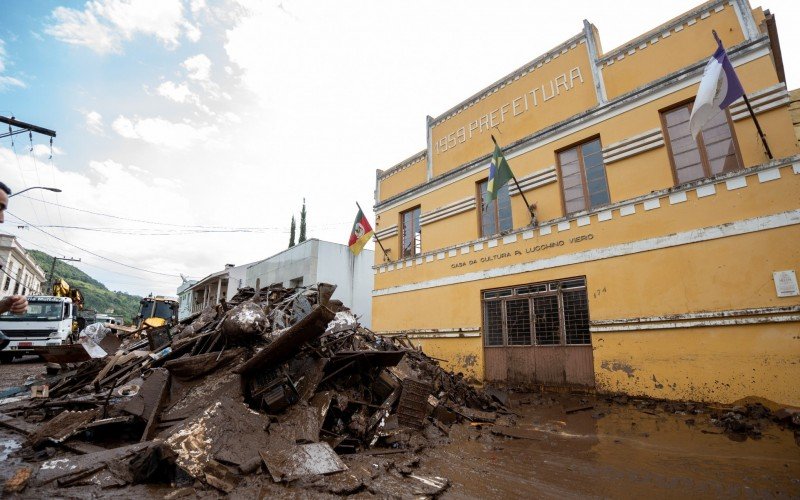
x=402 y=231
x=551 y=288
x=584 y=180
x=479 y=203
x=699 y=142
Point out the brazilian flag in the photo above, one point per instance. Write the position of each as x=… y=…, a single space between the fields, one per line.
x=499 y=174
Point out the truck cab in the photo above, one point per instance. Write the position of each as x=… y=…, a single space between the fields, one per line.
x=48 y=321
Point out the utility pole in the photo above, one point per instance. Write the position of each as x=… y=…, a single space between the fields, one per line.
x=53 y=265
x=23 y=127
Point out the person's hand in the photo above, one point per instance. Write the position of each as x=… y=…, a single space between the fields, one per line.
x=17 y=304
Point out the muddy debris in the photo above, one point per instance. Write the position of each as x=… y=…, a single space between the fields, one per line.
x=277 y=384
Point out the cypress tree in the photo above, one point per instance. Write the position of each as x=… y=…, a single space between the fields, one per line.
x=302 y=237
x=291 y=233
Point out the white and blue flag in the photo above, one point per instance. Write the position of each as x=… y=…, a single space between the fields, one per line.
x=719 y=87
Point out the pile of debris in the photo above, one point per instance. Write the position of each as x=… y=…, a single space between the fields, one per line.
x=281 y=380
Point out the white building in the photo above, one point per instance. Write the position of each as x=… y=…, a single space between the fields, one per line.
x=315 y=261
x=304 y=264
x=20 y=274
x=185 y=298
x=194 y=296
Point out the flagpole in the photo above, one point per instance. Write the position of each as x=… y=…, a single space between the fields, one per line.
x=375 y=234
x=749 y=108
x=758 y=127
x=525 y=200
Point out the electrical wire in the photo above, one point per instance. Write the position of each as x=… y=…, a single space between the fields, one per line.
x=83 y=262
x=188 y=226
x=89 y=251
x=147 y=232
x=22 y=174
x=157 y=223
x=38 y=177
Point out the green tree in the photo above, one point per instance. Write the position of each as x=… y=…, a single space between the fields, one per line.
x=302 y=237
x=292 y=229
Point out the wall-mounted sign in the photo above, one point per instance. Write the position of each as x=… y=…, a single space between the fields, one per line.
x=785 y=283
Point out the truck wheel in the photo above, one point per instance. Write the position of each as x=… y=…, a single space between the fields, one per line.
x=6 y=358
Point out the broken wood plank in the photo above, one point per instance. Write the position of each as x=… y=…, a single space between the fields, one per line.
x=17 y=424
x=192 y=367
x=156 y=384
x=289 y=342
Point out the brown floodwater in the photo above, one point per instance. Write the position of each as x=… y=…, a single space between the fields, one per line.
x=624 y=453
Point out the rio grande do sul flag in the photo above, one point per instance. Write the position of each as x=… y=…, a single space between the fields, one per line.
x=360 y=234
x=719 y=87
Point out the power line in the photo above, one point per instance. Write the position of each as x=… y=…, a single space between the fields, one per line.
x=147 y=232
x=188 y=226
x=157 y=223
x=142 y=278
x=89 y=251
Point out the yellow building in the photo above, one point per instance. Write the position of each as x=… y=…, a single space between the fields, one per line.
x=657 y=265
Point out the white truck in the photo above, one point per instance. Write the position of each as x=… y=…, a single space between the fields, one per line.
x=48 y=321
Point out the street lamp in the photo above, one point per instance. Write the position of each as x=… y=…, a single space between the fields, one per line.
x=55 y=190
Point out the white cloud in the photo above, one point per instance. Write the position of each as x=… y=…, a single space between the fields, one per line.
x=104 y=24
x=197 y=5
x=161 y=132
x=2 y=56
x=83 y=28
x=193 y=32
x=103 y=186
x=7 y=82
x=198 y=67
x=43 y=150
x=175 y=92
x=94 y=123
x=183 y=94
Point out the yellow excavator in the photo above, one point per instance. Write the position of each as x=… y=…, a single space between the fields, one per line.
x=154 y=312
x=157 y=311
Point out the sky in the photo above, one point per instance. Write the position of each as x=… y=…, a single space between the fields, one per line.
x=189 y=132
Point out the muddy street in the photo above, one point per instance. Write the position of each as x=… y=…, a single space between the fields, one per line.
x=616 y=450
x=602 y=448
x=18 y=371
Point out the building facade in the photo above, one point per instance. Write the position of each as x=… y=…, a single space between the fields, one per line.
x=655 y=265
x=194 y=296
x=185 y=299
x=317 y=261
x=21 y=275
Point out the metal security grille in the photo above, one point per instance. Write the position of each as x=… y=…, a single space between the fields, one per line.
x=551 y=313
x=548 y=323
x=518 y=321
x=493 y=320
x=576 y=317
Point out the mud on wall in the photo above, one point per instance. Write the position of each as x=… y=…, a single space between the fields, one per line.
x=713 y=364
x=458 y=354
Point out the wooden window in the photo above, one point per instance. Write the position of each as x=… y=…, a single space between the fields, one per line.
x=583 y=176
x=551 y=313
x=496 y=215
x=410 y=234
x=712 y=153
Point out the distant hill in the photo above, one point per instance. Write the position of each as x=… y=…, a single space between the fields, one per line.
x=95 y=294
